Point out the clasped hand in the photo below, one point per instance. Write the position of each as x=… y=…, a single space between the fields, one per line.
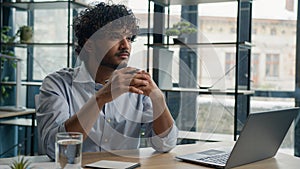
x=127 y=79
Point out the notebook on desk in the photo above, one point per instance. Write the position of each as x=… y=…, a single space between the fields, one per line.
x=259 y=139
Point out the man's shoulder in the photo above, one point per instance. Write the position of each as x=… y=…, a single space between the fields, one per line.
x=64 y=74
x=66 y=71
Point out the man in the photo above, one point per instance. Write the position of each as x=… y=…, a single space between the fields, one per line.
x=109 y=103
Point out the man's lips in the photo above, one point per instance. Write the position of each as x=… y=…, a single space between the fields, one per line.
x=123 y=55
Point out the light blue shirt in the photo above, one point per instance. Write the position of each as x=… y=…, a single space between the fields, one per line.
x=64 y=92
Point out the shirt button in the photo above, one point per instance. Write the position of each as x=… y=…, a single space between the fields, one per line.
x=108 y=120
x=105 y=140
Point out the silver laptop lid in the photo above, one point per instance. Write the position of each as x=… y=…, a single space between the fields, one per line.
x=261 y=136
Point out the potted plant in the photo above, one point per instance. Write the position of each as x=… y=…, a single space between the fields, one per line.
x=20 y=163
x=181 y=29
x=25 y=33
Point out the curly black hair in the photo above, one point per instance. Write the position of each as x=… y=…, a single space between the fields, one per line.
x=95 y=17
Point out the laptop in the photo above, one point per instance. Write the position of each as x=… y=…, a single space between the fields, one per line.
x=259 y=139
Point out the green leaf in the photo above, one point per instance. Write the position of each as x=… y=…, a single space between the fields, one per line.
x=20 y=163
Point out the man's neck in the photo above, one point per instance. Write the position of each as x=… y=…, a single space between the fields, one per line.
x=103 y=74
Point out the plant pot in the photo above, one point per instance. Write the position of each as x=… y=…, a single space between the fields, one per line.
x=26 y=34
x=180 y=41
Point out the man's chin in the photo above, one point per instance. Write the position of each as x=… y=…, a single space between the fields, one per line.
x=122 y=65
x=115 y=66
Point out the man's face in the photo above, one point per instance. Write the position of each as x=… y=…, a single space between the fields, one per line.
x=118 y=45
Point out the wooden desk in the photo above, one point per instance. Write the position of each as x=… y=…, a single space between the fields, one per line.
x=148 y=158
x=7 y=114
x=27 y=112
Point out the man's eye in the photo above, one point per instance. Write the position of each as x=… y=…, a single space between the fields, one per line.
x=131 y=38
x=117 y=36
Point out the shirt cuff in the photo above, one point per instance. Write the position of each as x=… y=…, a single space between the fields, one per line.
x=164 y=144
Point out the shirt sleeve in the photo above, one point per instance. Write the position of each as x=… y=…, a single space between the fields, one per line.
x=164 y=144
x=160 y=144
x=52 y=111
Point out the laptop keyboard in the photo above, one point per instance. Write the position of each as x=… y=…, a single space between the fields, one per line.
x=217 y=159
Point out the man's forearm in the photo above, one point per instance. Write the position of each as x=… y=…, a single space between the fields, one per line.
x=84 y=119
x=163 y=120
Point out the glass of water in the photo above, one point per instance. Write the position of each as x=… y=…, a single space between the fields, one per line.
x=68 y=150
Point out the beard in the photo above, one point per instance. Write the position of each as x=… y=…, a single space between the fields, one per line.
x=123 y=64
x=106 y=61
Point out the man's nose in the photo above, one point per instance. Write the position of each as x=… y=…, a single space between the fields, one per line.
x=124 y=43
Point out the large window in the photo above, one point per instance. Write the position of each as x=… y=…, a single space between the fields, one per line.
x=273 y=70
x=217 y=23
x=275 y=41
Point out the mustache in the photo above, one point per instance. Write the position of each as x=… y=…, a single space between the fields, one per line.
x=122 y=52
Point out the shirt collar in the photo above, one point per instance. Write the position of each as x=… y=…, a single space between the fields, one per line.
x=83 y=75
